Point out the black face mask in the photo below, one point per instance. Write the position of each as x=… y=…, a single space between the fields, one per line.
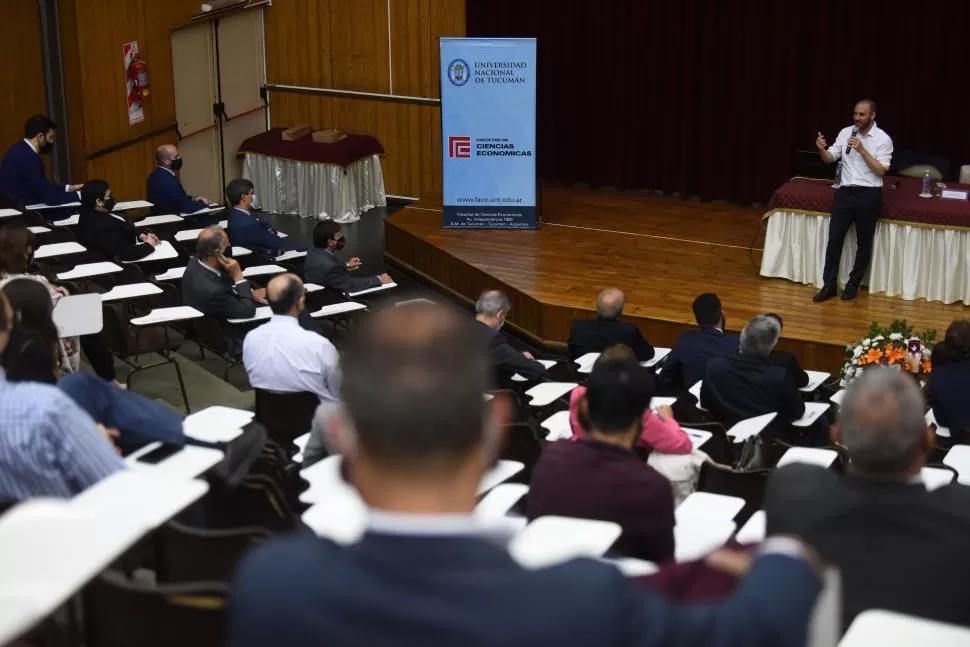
x=109 y=204
x=46 y=148
x=177 y=164
x=341 y=242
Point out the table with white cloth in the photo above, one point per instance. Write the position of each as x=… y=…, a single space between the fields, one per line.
x=921 y=248
x=337 y=181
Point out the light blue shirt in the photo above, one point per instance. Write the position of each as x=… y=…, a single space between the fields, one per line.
x=282 y=356
x=49 y=447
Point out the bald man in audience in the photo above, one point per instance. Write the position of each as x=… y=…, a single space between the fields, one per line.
x=164 y=189
x=596 y=335
x=898 y=545
x=213 y=282
x=281 y=356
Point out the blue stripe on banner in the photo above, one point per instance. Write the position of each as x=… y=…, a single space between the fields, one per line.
x=488 y=126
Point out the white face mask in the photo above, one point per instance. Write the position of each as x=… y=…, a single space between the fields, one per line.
x=252 y=202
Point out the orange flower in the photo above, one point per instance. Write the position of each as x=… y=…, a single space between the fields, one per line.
x=927 y=367
x=872 y=357
x=894 y=355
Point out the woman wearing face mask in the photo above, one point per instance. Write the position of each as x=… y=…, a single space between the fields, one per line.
x=32 y=352
x=110 y=233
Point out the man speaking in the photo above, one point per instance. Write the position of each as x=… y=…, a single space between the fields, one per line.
x=865 y=151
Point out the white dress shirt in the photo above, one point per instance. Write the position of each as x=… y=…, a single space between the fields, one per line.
x=282 y=356
x=855 y=171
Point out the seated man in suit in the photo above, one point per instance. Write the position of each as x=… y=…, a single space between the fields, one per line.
x=898 y=546
x=324 y=268
x=596 y=335
x=787 y=360
x=110 y=233
x=747 y=384
x=490 y=312
x=687 y=362
x=426 y=572
x=213 y=282
x=164 y=189
x=247 y=230
x=599 y=476
x=22 y=173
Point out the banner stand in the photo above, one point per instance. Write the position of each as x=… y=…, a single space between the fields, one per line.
x=488 y=133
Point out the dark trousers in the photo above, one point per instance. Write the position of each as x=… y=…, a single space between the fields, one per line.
x=138 y=419
x=97 y=353
x=854 y=205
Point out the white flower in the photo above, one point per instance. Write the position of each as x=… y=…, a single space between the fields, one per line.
x=857 y=352
x=866 y=343
x=878 y=338
x=843 y=384
x=896 y=336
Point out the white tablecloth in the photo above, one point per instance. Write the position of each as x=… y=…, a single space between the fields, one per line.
x=322 y=191
x=910 y=261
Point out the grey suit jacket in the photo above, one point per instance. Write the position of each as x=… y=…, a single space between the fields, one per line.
x=214 y=294
x=322 y=268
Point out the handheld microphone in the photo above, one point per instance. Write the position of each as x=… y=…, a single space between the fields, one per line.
x=855 y=131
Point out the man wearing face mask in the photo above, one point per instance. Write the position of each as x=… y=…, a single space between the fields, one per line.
x=111 y=233
x=599 y=476
x=164 y=189
x=22 y=173
x=490 y=312
x=247 y=230
x=324 y=268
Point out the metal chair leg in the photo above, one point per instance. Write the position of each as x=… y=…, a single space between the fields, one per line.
x=178 y=374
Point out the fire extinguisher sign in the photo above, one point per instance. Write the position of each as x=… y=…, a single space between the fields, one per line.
x=136 y=111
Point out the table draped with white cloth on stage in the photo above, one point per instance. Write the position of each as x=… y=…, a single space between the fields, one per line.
x=337 y=181
x=921 y=248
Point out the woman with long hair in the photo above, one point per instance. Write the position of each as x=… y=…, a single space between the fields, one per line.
x=31 y=354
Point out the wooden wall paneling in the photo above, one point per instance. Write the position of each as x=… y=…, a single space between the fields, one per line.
x=23 y=73
x=298 y=47
x=73 y=90
x=358 y=38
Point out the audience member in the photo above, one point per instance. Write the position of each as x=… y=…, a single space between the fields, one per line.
x=949 y=383
x=30 y=357
x=110 y=233
x=660 y=430
x=16 y=258
x=490 y=312
x=747 y=384
x=424 y=573
x=687 y=362
x=599 y=476
x=213 y=282
x=247 y=230
x=281 y=356
x=787 y=360
x=22 y=173
x=32 y=349
x=898 y=546
x=48 y=445
x=596 y=335
x=324 y=268
x=163 y=188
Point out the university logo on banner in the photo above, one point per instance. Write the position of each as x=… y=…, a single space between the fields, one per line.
x=488 y=127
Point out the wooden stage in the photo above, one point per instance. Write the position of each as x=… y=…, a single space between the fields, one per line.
x=662 y=252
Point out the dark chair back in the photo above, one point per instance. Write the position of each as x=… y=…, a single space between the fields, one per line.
x=749 y=486
x=720 y=448
x=522 y=444
x=120 y=612
x=209 y=332
x=187 y=554
x=285 y=415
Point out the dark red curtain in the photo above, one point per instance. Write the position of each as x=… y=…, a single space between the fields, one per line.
x=711 y=98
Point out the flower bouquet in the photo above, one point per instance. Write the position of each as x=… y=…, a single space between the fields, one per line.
x=889 y=347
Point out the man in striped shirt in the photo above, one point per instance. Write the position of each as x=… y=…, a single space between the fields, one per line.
x=48 y=445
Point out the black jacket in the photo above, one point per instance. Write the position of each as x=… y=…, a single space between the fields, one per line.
x=111 y=235
x=742 y=386
x=596 y=335
x=214 y=293
x=506 y=361
x=789 y=362
x=898 y=546
x=323 y=268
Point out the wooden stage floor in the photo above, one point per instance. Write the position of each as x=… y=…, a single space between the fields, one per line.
x=662 y=252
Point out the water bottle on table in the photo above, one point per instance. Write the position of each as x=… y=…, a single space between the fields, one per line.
x=838 y=175
x=927 y=190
